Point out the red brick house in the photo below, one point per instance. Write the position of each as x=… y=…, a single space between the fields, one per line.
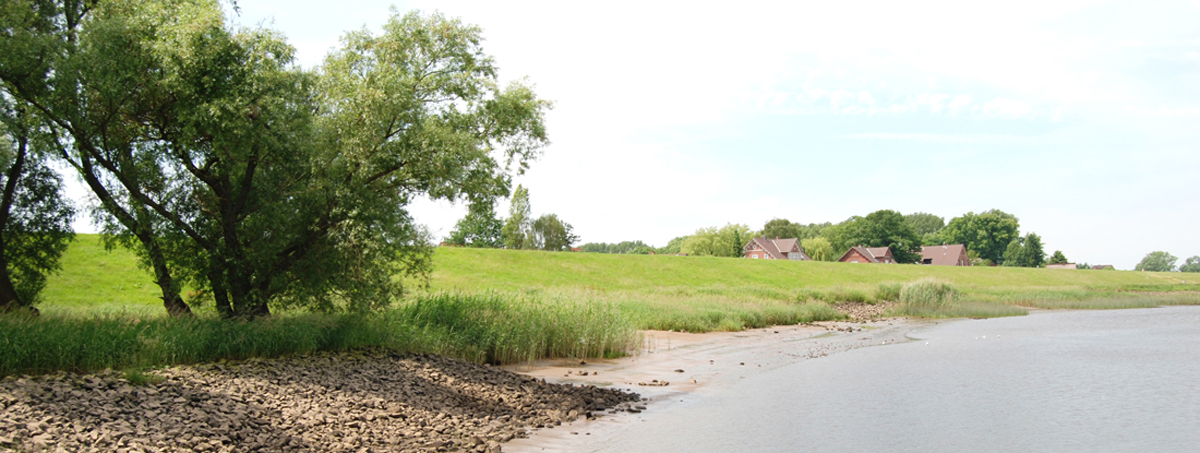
x=860 y=254
x=774 y=249
x=945 y=255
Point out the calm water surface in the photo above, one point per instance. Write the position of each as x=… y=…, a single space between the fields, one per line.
x=1119 y=380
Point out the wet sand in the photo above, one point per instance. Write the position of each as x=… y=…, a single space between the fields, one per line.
x=694 y=365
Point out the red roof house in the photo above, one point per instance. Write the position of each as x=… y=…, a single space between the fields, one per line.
x=775 y=249
x=860 y=254
x=945 y=255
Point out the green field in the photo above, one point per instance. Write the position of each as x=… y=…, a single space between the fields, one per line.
x=507 y=306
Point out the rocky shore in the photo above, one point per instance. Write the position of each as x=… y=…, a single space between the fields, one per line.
x=375 y=401
x=858 y=311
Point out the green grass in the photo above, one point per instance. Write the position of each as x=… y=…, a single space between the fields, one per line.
x=500 y=306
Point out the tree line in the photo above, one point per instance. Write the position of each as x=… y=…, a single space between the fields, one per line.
x=991 y=238
x=480 y=228
x=228 y=168
x=1165 y=262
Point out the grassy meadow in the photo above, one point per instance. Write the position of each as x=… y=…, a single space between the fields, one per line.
x=507 y=306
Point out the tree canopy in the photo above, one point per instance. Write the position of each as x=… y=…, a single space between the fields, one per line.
x=1157 y=262
x=926 y=226
x=819 y=249
x=1058 y=258
x=1025 y=252
x=883 y=228
x=259 y=182
x=725 y=241
x=1191 y=265
x=986 y=235
x=480 y=228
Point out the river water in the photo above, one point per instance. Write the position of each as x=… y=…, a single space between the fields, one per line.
x=1117 y=380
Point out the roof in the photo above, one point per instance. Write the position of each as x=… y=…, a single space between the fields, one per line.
x=778 y=248
x=943 y=255
x=880 y=252
x=861 y=251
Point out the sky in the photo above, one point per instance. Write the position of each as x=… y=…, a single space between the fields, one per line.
x=1078 y=117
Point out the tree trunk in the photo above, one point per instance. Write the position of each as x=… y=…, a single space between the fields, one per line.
x=174 y=304
x=9 y=299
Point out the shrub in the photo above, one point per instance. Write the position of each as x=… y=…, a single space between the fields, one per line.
x=928 y=294
x=889 y=291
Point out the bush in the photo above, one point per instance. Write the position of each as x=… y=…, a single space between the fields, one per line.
x=889 y=291
x=928 y=294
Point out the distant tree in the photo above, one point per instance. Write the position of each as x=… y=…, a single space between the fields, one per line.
x=1157 y=262
x=924 y=223
x=987 y=234
x=819 y=249
x=635 y=247
x=1191 y=265
x=1025 y=252
x=552 y=234
x=479 y=228
x=518 y=228
x=35 y=219
x=1058 y=258
x=884 y=228
x=1084 y=266
x=725 y=241
x=782 y=228
x=674 y=246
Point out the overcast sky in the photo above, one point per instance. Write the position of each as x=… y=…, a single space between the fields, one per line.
x=1078 y=117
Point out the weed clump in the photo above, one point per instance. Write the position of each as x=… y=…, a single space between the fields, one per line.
x=889 y=291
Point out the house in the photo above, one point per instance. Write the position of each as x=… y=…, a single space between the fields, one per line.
x=775 y=249
x=945 y=255
x=1062 y=266
x=860 y=254
x=1103 y=267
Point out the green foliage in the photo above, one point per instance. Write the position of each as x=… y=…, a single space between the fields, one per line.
x=254 y=180
x=889 y=291
x=987 y=234
x=636 y=247
x=819 y=249
x=925 y=224
x=1058 y=258
x=1025 y=252
x=518 y=228
x=1157 y=262
x=552 y=234
x=726 y=241
x=479 y=228
x=884 y=228
x=1191 y=265
x=781 y=228
x=928 y=295
x=674 y=246
x=35 y=218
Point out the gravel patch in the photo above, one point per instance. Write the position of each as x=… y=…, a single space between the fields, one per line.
x=862 y=311
x=363 y=401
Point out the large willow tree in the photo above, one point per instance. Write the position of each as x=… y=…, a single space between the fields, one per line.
x=233 y=170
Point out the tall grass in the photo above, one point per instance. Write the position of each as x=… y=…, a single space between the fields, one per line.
x=488 y=327
x=932 y=298
x=507 y=328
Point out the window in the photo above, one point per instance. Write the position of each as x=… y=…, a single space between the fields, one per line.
x=754 y=256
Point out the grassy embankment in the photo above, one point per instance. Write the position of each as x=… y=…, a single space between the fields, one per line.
x=510 y=306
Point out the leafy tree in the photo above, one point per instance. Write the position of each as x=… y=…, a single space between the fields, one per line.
x=674 y=246
x=35 y=220
x=884 y=228
x=1058 y=258
x=550 y=233
x=1157 y=262
x=988 y=234
x=1085 y=266
x=1191 y=265
x=925 y=224
x=518 y=228
x=1025 y=252
x=726 y=241
x=819 y=249
x=479 y=228
x=781 y=228
x=636 y=247
x=255 y=180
